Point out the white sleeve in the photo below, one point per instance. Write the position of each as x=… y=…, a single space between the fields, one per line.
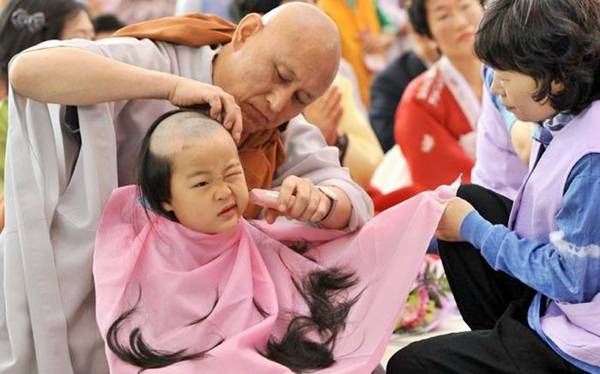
x=187 y=6
x=307 y=156
x=158 y=56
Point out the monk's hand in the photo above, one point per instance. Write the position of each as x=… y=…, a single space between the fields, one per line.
x=300 y=199
x=449 y=226
x=223 y=108
x=326 y=113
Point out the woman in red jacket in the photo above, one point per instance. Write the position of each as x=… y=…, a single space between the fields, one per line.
x=435 y=120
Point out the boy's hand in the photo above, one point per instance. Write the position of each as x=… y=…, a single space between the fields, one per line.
x=449 y=226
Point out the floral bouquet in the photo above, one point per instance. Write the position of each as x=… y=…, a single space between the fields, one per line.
x=429 y=301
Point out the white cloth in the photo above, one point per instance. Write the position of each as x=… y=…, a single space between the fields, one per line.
x=392 y=173
x=47 y=322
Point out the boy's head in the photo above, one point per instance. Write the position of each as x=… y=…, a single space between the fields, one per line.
x=451 y=24
x=190 y=172
x=546 y=54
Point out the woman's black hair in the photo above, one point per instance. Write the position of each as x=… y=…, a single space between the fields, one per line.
x=107 y=23
x=324 y=291
x=240 y=8
x=552 y=41
x=417 y=15
x=25 y=23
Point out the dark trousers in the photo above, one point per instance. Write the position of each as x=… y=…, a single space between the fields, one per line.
x=492 y=303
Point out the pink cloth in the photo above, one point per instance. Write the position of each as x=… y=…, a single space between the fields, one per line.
x=179 y=272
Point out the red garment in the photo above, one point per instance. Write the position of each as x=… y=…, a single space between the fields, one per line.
x=429 y=125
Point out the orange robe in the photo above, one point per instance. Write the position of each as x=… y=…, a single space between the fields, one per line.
x=351 y=22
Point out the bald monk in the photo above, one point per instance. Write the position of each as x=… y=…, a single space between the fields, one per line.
x=96 y=100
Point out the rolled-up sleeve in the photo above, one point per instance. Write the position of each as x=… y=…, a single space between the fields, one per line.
x=307 y=156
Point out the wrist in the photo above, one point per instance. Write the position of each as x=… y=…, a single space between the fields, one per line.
x=473 y=228
x=163 y=85
x=331 y=195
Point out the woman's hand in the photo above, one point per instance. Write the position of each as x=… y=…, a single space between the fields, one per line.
x=300 y=199
x=223 y=108
x=449 y=226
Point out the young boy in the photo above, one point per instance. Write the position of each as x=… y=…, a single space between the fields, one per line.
x=528 y=283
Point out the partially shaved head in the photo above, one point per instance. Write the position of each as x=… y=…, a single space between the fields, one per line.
x=174 y=132
x=190 y=172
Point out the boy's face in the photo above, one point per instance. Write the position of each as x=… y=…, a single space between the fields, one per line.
x=516 y=91
x=208 y=189
x=453 y=24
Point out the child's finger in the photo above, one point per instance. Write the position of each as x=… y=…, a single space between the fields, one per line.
x=271 y=215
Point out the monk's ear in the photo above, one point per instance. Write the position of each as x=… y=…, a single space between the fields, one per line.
x=248 y=26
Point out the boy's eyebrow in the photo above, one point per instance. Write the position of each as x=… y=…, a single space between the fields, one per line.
x=233 y=165
x=195 y=173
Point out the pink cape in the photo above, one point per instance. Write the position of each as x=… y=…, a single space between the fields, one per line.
x=181 y=273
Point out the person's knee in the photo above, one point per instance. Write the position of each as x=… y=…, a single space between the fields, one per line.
x=409 y=359
x=470 y=192
x=492 y=206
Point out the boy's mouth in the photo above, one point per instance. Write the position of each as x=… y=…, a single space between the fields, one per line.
x=228 y=209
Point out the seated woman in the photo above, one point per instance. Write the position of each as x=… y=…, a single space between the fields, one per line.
x=184 y=284
x=436 y=118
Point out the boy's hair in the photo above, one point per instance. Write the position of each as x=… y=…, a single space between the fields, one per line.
x=417 y=14
x=18 y=32
x=107 y=23
x=551 y=41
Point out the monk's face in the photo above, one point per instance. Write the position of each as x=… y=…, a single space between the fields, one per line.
x=274 y=73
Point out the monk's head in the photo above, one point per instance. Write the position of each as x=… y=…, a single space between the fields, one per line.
x=279 y=63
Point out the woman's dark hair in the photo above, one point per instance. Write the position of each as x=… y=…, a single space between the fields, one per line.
x=324 y=291
x=107 y=23
x=25 y=23
x=551 y=41
x=240 y=8
x=417 y=15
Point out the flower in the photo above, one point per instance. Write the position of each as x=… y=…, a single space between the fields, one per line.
x=428 y=301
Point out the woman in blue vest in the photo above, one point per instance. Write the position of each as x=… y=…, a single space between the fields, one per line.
x=526 y=274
